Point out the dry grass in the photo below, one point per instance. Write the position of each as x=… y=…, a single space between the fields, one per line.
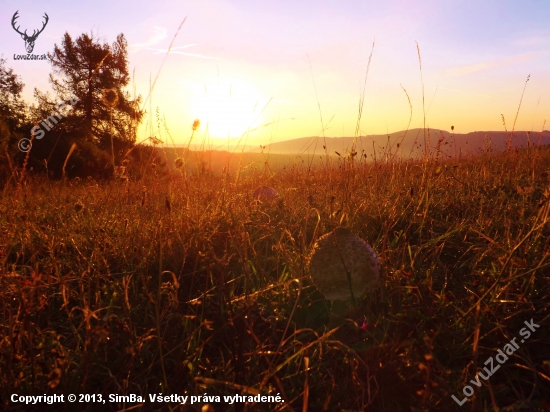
x=191 y=287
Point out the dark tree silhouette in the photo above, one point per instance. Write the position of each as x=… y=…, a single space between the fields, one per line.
x=12 y=108
x=83 y=70
x=89 y=107
x=13 y=120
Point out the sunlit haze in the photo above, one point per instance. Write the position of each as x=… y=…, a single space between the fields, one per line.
x=263 y=72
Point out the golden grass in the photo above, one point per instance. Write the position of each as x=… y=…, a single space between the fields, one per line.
x=190 y=287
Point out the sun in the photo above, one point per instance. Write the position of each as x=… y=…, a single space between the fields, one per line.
x=229 y=109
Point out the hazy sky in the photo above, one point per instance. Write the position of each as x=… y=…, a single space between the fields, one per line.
x=241 y=64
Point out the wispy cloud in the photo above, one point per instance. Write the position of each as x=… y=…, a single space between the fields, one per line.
x=159 y=34
x=176 y=50
x=462 y=70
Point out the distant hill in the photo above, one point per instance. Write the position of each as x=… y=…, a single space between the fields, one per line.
x=410 y=143
x=309 y=151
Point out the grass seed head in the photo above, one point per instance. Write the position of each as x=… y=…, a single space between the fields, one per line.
x=110 y=97
x=179 y=163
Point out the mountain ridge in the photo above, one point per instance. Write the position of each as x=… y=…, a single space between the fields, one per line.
x=406 y=142
x=410 y=141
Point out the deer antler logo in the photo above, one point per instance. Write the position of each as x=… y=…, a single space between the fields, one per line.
x=29 y=40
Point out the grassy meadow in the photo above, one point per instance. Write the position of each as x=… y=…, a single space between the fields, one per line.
x=185 y=285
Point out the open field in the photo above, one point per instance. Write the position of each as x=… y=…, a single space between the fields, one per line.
x=187 y=286
x=183 y=184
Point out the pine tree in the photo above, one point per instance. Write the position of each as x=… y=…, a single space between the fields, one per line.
x=12 y=108
x=84 y=71
x=14 y=123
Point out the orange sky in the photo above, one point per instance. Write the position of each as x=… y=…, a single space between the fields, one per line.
x=241 y=64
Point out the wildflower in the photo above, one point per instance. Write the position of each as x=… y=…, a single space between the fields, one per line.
x=196 y=124
x=364 y=324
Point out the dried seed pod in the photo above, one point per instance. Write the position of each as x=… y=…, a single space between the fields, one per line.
x=337 y=254
x=265 y=193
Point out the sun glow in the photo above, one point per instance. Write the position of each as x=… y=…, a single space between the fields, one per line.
x=228 y=109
